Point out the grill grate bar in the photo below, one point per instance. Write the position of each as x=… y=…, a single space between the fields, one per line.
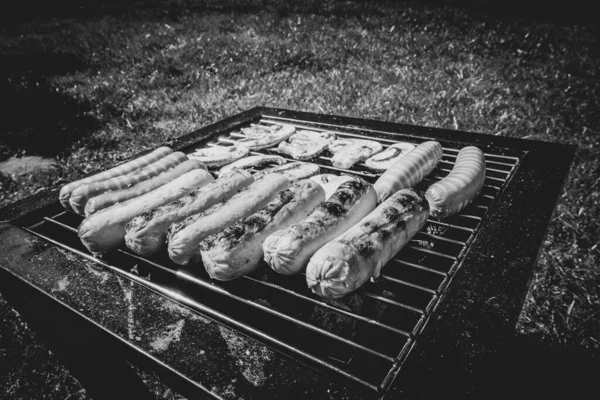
x=435 y=253
x=330 y=307
x=65 y=226
x=413 y=285
x=449 y=225
x=444 y=239
x=419 y=266
x=471 y=216
x=515 y=159
x=393 y=302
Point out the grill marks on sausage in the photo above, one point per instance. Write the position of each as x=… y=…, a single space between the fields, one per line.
x=393 y=221
x=233 y=235
x=336 y=207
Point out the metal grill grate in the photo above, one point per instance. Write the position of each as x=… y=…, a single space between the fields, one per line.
x=375 y=327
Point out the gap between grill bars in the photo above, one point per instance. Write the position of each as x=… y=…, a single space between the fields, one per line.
x=377 y=326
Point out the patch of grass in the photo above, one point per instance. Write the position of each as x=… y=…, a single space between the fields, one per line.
x=122 y=78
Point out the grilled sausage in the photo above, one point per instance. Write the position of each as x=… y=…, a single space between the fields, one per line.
x=347 y=262
x=330 y=182
x=105 y=229
x=146 y=234
x=184 y=238
x=83 y=193
x=454 y=192
x=107 y=199
x=288 y=250
x=237 y=250
x=123 y=169
x=409 y=170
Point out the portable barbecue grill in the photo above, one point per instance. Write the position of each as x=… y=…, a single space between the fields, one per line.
x=430 y=324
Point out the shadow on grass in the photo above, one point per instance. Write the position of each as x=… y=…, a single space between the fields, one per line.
x=37 y=119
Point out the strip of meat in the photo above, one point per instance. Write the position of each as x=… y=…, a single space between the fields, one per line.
x=347 y=152
x=382 y=161
x=293 y=171
x=305 y=145
x=218 y=156
x=258 y=137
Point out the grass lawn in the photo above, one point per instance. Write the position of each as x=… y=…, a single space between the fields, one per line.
x=89 y=87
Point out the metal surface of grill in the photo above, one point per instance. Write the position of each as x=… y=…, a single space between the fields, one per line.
x=375 y=327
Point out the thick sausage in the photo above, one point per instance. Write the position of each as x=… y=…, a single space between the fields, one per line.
x=347 y=262
x=184 y=238
x=105 y=229
x=454 y=192
x=123 y=169
x=237 y=250
x=146 y=234
x=107 y=199
x=409 y=170
x=287 y=251
x=83 y=193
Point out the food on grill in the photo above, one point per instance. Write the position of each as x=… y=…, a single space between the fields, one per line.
x=146 y=234
x=237 y=250
x=123 y=169
x=347 y=152
x=330 y=182
x=294 y=171
x=409 y=169
x=81 y=195
x=287 y=251
x=257 y=137
x=107 y=199
x=105 y=229
x=304 y=145
x=385 y=159
x=254 y=162
x=347 y=262
x=184 y=238
x=454 y=192
x=217 y=156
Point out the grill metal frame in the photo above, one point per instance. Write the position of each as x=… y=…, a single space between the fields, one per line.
x=512 y=163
